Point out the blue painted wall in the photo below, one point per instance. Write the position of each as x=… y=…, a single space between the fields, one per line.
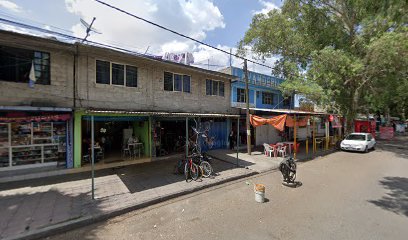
x=219 y=131
x=258 y=83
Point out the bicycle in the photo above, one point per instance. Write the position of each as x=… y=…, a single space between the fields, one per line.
x=191 y=170
x=204 y=165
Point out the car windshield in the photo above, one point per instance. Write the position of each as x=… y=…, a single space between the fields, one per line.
x=357 y=137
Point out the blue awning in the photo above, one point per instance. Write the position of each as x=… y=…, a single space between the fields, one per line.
x=117 y=118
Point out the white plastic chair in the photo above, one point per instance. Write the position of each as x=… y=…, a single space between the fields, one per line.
x=282 y=151
x=126 y=151
x=268 y=150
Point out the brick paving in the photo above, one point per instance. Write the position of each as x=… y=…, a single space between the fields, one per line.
x=33 y=206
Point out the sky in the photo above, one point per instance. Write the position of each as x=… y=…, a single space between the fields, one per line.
x=221 y=23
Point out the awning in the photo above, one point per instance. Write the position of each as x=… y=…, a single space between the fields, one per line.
x=160 y=114
x=116 y=118
x=277 y=122
x=46 y=118
x=286 y=111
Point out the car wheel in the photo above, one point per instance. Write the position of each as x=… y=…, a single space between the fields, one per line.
x=366 y=149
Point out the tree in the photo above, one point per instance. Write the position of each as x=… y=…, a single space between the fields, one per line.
x=336 y=52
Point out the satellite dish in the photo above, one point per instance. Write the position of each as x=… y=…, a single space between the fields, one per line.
x=89 y=28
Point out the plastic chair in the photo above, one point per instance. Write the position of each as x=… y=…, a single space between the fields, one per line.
x=100 y=155
x=126 y=151
x=267 y=150
x=282 y=151
x=86 y=158
x=274 y=149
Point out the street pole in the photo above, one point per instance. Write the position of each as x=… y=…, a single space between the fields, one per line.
x=237 y=141
x=247 y=108
x=294 y=138
x=187 y=141
x=93 y=157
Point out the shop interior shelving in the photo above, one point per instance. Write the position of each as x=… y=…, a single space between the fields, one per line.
x=31 y=143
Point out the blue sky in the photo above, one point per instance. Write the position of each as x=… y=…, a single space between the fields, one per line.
x=221 y=23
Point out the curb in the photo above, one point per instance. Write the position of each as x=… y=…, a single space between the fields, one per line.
x=87 y=220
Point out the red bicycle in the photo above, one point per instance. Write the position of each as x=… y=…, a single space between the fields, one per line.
x=191 y=170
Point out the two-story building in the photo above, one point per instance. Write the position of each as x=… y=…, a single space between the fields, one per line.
x=36 y=118
x=265 y=99
x=124 y=94
x=130 y=93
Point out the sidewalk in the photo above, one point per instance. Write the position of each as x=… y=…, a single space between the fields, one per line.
x=36 y=208
x=257 y=161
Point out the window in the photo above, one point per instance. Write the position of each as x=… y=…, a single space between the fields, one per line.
x=215 y=88
x=208 y=87
x=102 y=72
x=177 y=82
x=168 y=81
x=267 y=98
x=16 y=65
x=241 y=95
x=221 y=89
x=186 y=83
x=131 y=76
x=116 y=74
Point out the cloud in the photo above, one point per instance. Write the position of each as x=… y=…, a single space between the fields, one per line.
x=267 y=7
x=213 y=59
x=192 y=18
x=10 y=6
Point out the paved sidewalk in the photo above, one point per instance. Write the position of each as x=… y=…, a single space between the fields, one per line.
x=39 y=207
x=257 y=161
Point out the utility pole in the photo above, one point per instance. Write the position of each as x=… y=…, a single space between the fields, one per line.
x=247 y=107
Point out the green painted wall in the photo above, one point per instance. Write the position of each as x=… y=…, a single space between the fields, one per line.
x=77 y=138
x=141 y=130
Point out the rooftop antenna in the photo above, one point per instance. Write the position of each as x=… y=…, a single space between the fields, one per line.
x=147 y=49
x=89 y=28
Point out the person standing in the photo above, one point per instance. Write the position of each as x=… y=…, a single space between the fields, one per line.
x=231 y=139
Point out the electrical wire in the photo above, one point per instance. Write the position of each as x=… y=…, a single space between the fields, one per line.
x=180 y=34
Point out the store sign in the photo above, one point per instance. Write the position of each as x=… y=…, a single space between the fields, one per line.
x=242 y=105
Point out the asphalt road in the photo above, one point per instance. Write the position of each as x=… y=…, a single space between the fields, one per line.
x=343 y=196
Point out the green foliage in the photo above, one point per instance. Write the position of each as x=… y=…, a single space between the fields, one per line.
x=348 y=55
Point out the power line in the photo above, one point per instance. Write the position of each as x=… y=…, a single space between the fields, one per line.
x=30 y=19
x=180 y=34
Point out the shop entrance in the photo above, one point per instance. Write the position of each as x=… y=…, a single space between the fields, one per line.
x=169 y=136
x=115 y=138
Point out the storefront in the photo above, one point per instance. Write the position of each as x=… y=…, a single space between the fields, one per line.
x=159 y=133
x=117 y=137
x=35 y=139
x=169 y=134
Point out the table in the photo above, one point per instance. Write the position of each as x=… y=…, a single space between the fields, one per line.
x=320 y=141
x=134 y=146
x=289 y=144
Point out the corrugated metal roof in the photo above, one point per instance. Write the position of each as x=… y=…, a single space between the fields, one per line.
x=164 y=114
x=288 y=111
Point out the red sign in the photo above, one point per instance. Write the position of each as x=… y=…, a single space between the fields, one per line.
x=386 y=133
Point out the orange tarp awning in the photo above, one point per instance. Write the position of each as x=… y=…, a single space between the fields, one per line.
x=299 y=122
x=277 y=122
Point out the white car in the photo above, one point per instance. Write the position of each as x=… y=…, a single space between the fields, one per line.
x=361 y=142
